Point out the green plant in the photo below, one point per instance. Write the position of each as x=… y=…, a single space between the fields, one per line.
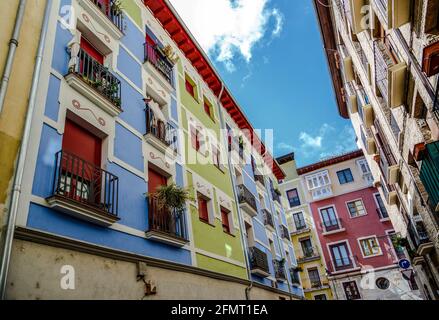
x=172 y=197
x=117 y=7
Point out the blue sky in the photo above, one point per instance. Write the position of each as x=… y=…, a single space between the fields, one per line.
x=270 y=54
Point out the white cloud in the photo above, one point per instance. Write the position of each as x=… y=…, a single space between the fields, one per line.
x=226 y=28
x=285 y=147
x=309 y=141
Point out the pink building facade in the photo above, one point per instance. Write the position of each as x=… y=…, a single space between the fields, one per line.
x=356 y=236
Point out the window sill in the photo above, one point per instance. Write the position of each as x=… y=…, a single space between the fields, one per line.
x=229 y=234
x=372 y=256
x=207 y=222
x=357 y=217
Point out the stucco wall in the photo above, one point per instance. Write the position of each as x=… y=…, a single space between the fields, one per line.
x=103 y=278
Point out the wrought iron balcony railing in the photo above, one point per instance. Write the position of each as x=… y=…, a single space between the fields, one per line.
x=258 y=259
x=162 y=220
x=113 y=12
x=279 y=270
x=260 y=178
x=382 y=213
x=268 y=218
x=244 y=195
x=159 y=129
x=430 y=175
x=161 y=63
x=98 y=77
x=284 y=232
x=86 y=184
x=343 y=263
x=332 y=225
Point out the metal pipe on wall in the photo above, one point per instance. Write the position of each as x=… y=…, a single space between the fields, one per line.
x=13 y=44
x=19 y=172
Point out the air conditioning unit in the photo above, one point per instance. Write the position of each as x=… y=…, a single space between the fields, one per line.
x=371 y=146
x=393 y=174
x=392 y=198
x=397 y=78
x=398 y=13
x=358 y=15
x=354 y=103
x=348 y=69
x=368 y=115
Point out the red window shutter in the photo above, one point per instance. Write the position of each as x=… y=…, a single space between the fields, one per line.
x=104 y=5
x=155 y=180
x=225 y=220
x=207 y=109
x=190 y=88
x=92 y=51
x=82 y=143
x=150 y=40
x=202 y=209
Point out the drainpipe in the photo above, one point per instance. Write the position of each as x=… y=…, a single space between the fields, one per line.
x=19 y=172
x=235 y=194
x=13 y=44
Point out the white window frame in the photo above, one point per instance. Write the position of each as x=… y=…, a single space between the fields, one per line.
x=380 y=253
x=328 y=247
x=364 y=207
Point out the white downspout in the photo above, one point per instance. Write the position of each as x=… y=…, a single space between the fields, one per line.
x=18 y=177
x=13 y=44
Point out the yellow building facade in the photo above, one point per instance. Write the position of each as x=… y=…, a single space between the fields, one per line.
x=303 y=234
x=13 y=110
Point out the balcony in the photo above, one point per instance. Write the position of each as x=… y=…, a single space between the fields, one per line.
x=247 y=201
x=83 y=190
x=342 y=264
x=275 y=194
x=108 y=15
x=96 y=82
x=259 y=179
x=390 y=76
x=159 y=134
x=425 y=245
x=166 y=226
x=295 y=278
x=430 y=175
x=390 y=193
x=387 y=162
x=394 y=13
x=258 y=262
x=420 y=238
x=315 y=283
x=332 y=226
x=162 y=67
x=309 y=254
x=268 y=219
x=300 y=228
x=285 y=233
x=279 y=270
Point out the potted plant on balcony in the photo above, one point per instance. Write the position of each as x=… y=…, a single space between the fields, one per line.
x=117 y=8
x=172 y=198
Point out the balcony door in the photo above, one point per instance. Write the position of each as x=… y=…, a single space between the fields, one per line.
x=340 y=256
x=306 y=247
x=81 y=162
x=329 y=219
